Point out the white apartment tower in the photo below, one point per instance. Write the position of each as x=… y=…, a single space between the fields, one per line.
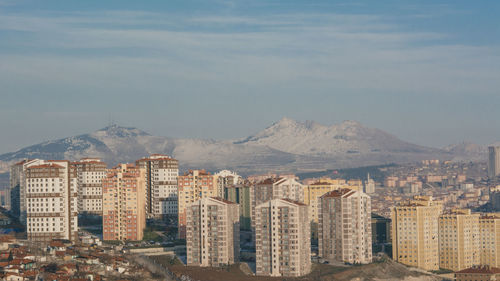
x=90 y=173
x=18 y=186
x=51 y=201
x=161 y=185
x=212 y=232
x=282 y=238
x=344 y=231
x=493 y=161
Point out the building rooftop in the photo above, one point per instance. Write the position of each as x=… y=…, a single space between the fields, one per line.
x=482 y=269
x=339 y=193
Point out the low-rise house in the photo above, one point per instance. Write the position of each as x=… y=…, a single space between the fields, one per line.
x=478 y=273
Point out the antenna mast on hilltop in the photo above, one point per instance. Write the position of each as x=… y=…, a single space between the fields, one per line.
x=111 y=121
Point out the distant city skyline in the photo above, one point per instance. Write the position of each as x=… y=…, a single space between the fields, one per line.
x=425 y=72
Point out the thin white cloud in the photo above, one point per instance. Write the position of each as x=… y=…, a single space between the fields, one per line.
x=330 y=51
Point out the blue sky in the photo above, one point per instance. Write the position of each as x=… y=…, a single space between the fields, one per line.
x=426 y=71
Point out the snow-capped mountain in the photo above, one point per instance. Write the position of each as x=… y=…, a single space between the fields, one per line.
x=287 y=145
x=311 y=138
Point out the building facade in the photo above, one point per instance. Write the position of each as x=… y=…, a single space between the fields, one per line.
x=415 y=232
x=161 y=185
x=51 y=201
x=282 y=238
x=193 y=186
x=312 y=194
x=242 y=195
x=489 y=233
x=212 y=233
x=478 y=273
x=226 y=178
x=493 y=161
x=124 y=215
x=276 y=188
x=369 y=185
x=345 y=233
x=459 y=240
x=18 y=187
x=90 y=173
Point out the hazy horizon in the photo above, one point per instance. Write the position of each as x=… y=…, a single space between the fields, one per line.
x=425 y=72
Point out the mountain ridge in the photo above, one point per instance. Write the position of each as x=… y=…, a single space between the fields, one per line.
x=285 y=146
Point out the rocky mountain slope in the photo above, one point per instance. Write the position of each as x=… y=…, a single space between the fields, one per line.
x=286 y=145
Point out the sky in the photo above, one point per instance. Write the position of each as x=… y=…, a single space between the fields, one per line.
x=425 y=71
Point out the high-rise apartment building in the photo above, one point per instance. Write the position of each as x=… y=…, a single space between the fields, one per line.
x=18 y=187
x=415 y=232
x=276 y=188
x=226 y=178
x=124 y=215
x=493 y=161
x=51 y=201
x=241 y=194
x=5 y=200
x=161 y=185
x=282 y=238
x=458 y=239
x=312 y=194
x=489 y=233
x=193 y=186
x=345 y=233
x=90 y=173
x=212 y=233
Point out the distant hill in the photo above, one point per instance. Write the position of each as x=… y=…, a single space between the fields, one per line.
x=285 y=146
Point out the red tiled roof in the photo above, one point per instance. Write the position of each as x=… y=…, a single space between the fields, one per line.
x=320 y=183
x=294 y=202
x=338 y=193
x=481 y=270
x=51 y=165
x=270 y=181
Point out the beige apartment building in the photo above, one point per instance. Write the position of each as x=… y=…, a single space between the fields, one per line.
x=161 y=185
x=90 y=172
x=282 y=238
x=489 y=233
x=459 y=240
x=345 y=233
x=193 y=186
x=124 y=215
x=212 y=232
x=415 y=232
x=51 y=201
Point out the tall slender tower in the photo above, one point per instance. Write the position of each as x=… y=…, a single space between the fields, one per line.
x=493 y=161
